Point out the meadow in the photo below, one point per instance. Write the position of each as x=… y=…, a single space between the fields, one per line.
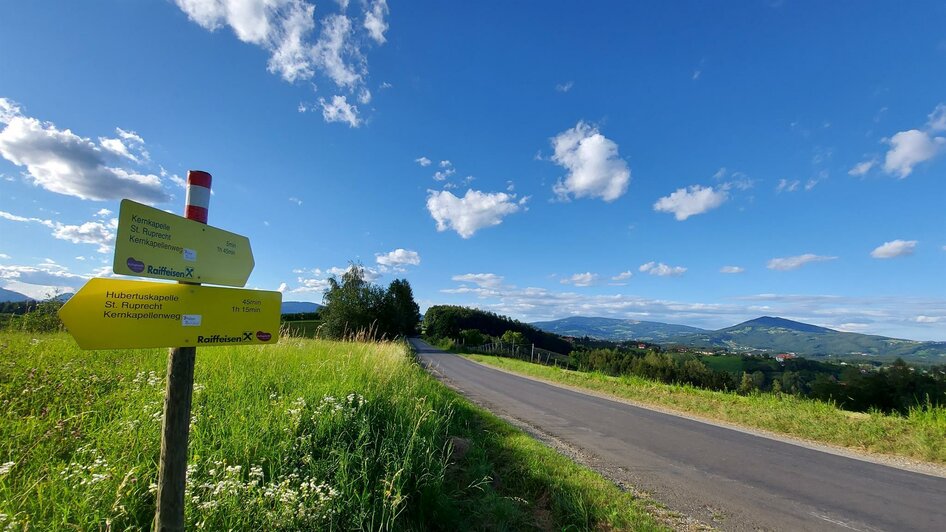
x=308 y=434
x=920 y=434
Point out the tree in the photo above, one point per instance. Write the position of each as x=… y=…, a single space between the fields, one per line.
x=472 y=337
x=401 y=312
x=356 y=307
x=514 y=337
x=352 y=306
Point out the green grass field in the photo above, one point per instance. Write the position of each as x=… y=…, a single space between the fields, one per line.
x=301 y=328
x=305 y=435
x=920 y=435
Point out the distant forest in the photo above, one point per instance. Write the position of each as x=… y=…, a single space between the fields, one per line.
x=896 y=387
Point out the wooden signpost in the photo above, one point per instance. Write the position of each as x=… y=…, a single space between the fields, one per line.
x=113 y=314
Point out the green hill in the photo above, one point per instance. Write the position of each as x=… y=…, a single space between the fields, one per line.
x=766 y=334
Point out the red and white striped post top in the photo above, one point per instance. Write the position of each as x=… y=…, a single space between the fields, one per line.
x=197 y=203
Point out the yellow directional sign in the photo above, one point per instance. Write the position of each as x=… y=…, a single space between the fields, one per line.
x=157 y=244
x=114 y=314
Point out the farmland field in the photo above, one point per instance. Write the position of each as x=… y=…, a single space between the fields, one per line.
x=308 y=434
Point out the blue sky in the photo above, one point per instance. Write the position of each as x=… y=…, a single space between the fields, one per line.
x=690 y=162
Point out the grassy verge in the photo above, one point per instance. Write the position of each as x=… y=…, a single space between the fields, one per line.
x=919 y=435
x=307 y=435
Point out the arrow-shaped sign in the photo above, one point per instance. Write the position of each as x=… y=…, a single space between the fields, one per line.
x=115 y=313
x=157 y=244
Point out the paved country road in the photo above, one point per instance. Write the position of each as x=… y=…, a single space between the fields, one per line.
x=731 y=479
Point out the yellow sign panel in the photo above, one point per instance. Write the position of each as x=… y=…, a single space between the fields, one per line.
x=157 y=244
x=115 y=314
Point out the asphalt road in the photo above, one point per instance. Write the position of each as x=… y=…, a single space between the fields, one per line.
x=727 y=478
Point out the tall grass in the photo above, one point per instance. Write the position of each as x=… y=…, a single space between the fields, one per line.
x=304 y=435
x=920 y=435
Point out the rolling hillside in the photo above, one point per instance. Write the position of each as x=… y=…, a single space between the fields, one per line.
x=615 y=329
x=766 y=334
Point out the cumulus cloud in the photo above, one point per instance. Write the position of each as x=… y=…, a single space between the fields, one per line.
x=61 y=161
x=374 y=20
x=339 y=110
x=581 y=279
x=915 y=146
x=286 y=29
x=623 y=276
x=862 y=167
x=686 y=202
x=910 y=148
x=595 y=169
x=100 y=233
x=474 y=211
x=398 y=258
x=894 y=248
x=483 y=280
x=793 y=263
x=661 y=269
x=929 y=319
x=731 y=269
x=423 y=161
x=315 y=280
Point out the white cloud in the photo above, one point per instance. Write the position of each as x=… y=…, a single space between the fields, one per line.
x=929 y=319
x=565 y=87
x=398 y=258
x=594 y=166
x=472 y=212
x=423 y=161
x=784 y=185
x=282 y=287
x=623 y=276
x=374 y=20
x=285 y=29
x=910 y=148
x=61 y=161
x=862 y=167
x=340 y=111
x=793 y=263
x=894 y=248
x=442 y=175
x=686 y=202
x=102 y=213
x=445 y=163
x=937 y=119
x=483 y=280
x=296 y=200
x=334 y=51
x=732 y=269
x=95 y=232
x=661 y=269
x=42 y=278
x=581 y=279
x=4 y=256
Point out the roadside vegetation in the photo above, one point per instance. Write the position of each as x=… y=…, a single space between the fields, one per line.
x=308 y=434
x=920 y=433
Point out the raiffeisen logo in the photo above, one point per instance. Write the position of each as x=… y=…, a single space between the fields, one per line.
x=164 y=271
x=224 y=339
x=262 y=336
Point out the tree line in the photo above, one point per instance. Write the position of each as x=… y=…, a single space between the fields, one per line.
x=448 y=321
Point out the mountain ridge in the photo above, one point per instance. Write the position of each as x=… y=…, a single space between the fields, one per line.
x=765 y=334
